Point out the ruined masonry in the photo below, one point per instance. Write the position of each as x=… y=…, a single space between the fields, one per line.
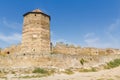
x=36 y=32
x=36 y=39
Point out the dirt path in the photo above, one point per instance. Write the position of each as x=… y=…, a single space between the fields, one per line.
x=112 y=74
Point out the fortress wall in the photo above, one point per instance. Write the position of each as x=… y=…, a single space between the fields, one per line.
x=14 y=49
x=62 y=48
x=19 y=63
x=71 y=49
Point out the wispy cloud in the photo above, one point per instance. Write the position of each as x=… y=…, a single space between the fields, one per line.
x=112 y=39
x=89 y=35
x=113 y=34
x=94 y=41
x=10 y=24
x=55 y=39
x=91 y=39
x=12 y=27
x=114 y=26
x=10 y=38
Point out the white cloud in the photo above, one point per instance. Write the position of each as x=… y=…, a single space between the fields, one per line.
x=113 y=35
x=10 y=24
x=112 y=39
x=96 y=42
x=114 y=26
x=89 y=35
x=9 y=39
x=14 y=28
x=91 y=40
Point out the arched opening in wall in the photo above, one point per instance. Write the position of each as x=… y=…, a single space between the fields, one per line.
x=35 y=14
x=8 y=52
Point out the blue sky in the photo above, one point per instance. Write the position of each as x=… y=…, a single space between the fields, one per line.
x=88 y=23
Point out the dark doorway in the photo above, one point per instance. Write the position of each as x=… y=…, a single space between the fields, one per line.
x=8 y=52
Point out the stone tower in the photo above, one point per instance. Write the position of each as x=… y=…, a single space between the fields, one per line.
x=36 y=32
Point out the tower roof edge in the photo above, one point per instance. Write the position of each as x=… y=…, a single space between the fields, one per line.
x=37 y=11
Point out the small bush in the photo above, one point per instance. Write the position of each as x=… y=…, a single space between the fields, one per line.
x=68 y=71
x=88 y=70
x=44 y=72
x=113 y=64
x=39 y=70
x=82 y=61
x=93 y=69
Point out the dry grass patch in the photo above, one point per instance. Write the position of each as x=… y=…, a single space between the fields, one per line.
x=88 y=70
x=68 y=71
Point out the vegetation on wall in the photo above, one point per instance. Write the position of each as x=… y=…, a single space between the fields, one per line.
x=113 y=64
x=82 y=61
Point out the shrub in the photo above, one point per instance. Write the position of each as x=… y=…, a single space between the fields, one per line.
x=93 y=69
x=44 y=72
x=113 y=64
x=68 y=71
x=39 y=70
x=88 y=70
x=82 y=61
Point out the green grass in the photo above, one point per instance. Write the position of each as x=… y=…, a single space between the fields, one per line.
x=88 y=70
x=34 y=76
x=39 y=70
x=113 y=64
x=43 y=71
x=69 y=72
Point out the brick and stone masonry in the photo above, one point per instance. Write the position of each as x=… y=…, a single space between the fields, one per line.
x=36 y=32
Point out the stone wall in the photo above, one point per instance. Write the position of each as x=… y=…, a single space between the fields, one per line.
x=25 y=63
x=71 y=49
x=63 y=56
x=14 y=49
x=62 y=48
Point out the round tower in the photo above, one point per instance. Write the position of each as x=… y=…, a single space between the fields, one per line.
x=36 y=32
